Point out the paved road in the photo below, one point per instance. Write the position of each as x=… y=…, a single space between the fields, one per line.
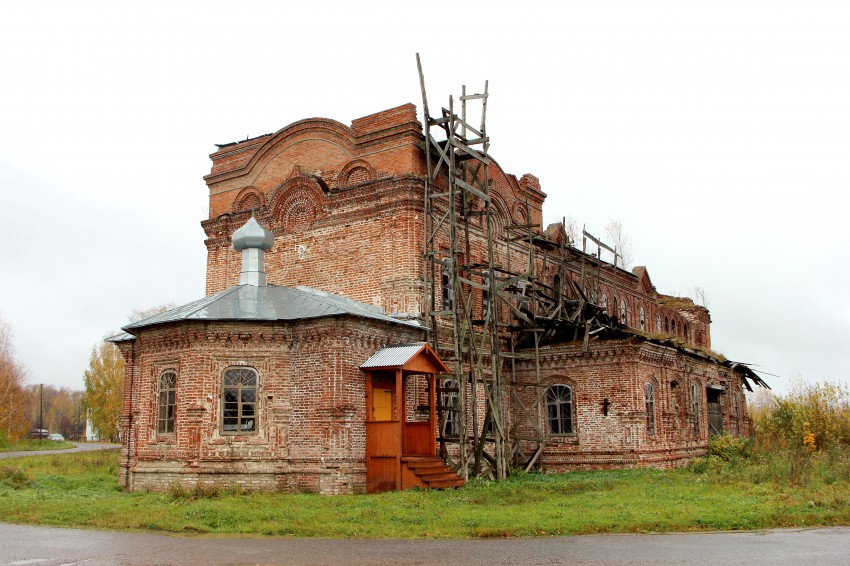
x=43 y=546
x=80 y=447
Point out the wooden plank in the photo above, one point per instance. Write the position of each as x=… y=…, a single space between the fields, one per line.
x=467 y=187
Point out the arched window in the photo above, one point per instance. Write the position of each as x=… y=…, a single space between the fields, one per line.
x=673 y=326
x=447 y=280
x=559 y=409
x=166 y=399
x=649 y=394
x=623 y=311
x=556 y=283
x=239 y=401
x=450 y=407
x=685 y=331
x=666 y=324
x=642 y=319
x=658 y=322
x=605 y=303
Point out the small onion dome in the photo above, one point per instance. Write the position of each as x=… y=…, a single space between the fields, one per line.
x=252 y=235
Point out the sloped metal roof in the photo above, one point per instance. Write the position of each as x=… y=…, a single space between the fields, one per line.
x=393 y=355
x=249 y=302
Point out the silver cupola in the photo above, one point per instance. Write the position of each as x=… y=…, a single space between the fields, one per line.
x=253 y=241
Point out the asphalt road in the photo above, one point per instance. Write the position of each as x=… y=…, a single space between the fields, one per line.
x=44 y=546
x=80 y=447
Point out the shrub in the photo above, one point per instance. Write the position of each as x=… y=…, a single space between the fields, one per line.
x=730 y=448
x=14 y=476
x=815 y=415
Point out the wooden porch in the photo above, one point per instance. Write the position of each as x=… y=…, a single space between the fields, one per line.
x=402 y=453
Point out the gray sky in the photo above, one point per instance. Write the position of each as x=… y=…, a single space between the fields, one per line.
x=717 y=132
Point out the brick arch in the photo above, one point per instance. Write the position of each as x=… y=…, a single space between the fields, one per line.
x=249 y=198
x=356 y=172
x=296 y=204
x=520 y=213
x=499 y=216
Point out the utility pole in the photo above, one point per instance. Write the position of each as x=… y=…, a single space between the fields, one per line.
x=40 y=410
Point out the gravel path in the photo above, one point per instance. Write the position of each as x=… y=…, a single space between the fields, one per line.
x=80 y=447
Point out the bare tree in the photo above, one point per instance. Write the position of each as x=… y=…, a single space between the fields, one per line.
x=620 y=240
x=572 y=230
x=139 y=314
x=701 y=297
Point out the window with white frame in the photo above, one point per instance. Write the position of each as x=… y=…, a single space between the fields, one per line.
x=239 y=401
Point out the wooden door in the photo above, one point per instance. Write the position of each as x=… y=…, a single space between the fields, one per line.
x=382 y=403
x=715 y=412
x=383 y=439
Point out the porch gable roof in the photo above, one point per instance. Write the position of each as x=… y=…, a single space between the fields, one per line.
x=411 y=358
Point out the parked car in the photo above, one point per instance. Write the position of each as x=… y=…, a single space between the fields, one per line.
x=56 y=436
x=38 y=433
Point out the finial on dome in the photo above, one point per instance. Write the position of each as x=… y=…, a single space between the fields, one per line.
x=252 y=240
x=252 y=235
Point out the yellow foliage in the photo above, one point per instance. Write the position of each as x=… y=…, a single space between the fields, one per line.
x=104 y=382
x=818 y=413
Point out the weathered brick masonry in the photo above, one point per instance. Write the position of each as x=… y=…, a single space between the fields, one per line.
x=345 y=205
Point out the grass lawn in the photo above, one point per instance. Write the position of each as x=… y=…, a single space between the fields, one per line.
x=80 y=490
x=31 y=445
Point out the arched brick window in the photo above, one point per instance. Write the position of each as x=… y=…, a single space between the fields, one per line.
x=623 y=311
x=166 y=402
x=642 y=319
x=658 y=323
x=605 y=303
x=559 y=409
x=649 y=396
x=239 y=401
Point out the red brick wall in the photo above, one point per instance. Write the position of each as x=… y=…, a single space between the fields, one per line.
x=618 y=371
x=311 y=404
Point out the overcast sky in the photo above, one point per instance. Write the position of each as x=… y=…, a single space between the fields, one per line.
x=717 y=132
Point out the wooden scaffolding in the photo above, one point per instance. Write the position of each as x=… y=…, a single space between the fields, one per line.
x=484 y=317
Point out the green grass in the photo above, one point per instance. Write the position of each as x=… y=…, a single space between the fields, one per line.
x=81 y=490
x=31 y=445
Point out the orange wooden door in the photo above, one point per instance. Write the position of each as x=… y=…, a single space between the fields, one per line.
x=382 y=404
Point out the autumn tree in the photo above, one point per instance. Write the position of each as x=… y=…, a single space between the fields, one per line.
x=13 y=423
x=104 y=395
x=60 y=409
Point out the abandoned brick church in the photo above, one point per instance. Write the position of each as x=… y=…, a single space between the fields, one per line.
x=322 y=358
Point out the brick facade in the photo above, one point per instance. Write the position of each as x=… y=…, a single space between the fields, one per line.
x=345 y=204
x=310 y=404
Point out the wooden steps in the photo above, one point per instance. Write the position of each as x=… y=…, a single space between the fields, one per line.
x=432 y=472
